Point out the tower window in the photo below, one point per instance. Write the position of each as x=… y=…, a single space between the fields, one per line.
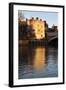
x=39 y=30
x=41 y=35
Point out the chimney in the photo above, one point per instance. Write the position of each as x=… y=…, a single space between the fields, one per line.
x=27 y=21
x=40 y=19
x=32 y=18
x=37 y=18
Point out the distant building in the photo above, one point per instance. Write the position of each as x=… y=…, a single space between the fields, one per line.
x=54 y=27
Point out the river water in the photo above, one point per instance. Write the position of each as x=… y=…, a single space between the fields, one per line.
x=38 y=62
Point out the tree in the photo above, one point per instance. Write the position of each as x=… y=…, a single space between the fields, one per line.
x=20 y=15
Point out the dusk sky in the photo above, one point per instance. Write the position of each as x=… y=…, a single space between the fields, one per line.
x=50 y=17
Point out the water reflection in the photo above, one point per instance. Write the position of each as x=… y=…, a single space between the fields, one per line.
x=39 y=59
x=37 y=62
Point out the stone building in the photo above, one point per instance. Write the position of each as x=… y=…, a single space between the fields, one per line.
x=37 y=26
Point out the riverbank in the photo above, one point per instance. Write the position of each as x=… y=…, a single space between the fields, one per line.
x=33 y=42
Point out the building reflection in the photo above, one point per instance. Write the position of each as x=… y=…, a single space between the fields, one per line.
x=34 y=56
x=39 y=59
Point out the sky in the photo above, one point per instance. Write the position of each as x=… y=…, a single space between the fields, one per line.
x=50 y=17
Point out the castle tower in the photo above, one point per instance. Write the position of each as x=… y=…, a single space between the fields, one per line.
x=37 y=26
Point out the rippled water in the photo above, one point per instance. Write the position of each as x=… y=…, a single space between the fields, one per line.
x=38 y=62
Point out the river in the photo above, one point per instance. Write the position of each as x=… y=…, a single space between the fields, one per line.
x=38 y=62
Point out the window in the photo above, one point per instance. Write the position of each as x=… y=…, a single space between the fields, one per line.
x=41 y=35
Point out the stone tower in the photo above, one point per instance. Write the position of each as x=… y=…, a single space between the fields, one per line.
x=38 y=27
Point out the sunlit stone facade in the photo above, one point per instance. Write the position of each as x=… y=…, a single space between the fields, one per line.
x=37 y=27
